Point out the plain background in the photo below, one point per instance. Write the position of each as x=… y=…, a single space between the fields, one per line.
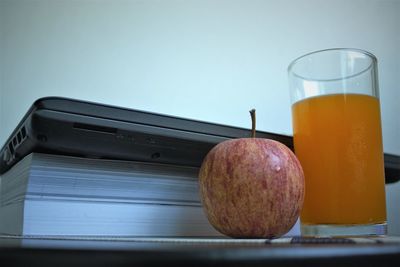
x=205 y=60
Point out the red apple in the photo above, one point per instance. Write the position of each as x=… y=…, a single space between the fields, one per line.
x=251 y=188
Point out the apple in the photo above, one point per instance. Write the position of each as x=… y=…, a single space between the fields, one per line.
x=251 y=187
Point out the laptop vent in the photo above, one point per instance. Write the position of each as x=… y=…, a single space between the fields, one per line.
x=94 y=128
x=17 y=139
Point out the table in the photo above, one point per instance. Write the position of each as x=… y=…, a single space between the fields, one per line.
x=77 y=251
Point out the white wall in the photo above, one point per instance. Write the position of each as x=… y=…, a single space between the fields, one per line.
x=205 y=59
x=2 y=37
x=212 y=60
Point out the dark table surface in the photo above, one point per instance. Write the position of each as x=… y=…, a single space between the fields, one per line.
x=61 y=252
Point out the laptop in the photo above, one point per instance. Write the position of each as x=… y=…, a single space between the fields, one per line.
x=57 y=125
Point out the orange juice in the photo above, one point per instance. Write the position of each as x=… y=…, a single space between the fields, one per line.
x=338 y=141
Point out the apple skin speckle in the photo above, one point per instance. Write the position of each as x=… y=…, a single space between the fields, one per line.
x=251 y=188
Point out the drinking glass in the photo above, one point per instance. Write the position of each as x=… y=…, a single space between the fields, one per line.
x=338 y=139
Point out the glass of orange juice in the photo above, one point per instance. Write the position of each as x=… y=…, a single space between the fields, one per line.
x=338 y=139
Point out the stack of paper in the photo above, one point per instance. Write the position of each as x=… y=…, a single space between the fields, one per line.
x=60 y=195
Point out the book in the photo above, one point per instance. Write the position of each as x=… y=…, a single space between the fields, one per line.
x=52 y=195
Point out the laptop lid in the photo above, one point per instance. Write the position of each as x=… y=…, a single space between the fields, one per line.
x=73 y=127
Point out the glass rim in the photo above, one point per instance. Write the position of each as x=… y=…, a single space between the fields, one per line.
x=361 y=51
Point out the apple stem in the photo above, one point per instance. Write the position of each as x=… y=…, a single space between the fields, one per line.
x=253 y=123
